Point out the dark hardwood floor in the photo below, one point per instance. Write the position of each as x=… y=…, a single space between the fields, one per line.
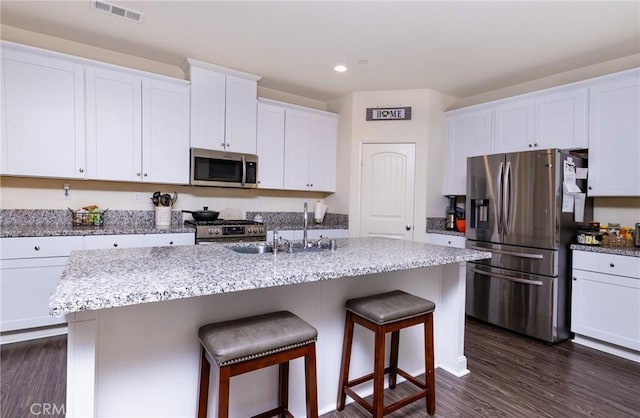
x=511 y=376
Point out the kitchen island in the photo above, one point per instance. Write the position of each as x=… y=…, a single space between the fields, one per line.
x=127 y=357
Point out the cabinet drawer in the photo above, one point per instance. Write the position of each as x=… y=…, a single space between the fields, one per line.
x=160 y=240
x=37 y=247
x=103 y=242
x=619 y=265
x=446 y=240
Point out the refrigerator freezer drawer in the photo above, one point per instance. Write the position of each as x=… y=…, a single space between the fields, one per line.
x=520 y=302
x=526 y=259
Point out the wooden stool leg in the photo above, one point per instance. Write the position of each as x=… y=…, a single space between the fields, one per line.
x=346 y=360
x=223 y=392
x=283 y=391
x=378 y=374
x=311 y=378
x=393 y=359
x=430 y=377
x=203 y=393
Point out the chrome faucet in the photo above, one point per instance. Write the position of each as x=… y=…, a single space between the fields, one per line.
x=305 y=240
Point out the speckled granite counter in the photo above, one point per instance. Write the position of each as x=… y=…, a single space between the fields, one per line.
x=99 y=279
x=283 y=221
x=68 y=230
x=436 y=226
x=445 y=232
x=630 y=252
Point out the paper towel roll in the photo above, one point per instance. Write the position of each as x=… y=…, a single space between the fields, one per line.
x=318 y=213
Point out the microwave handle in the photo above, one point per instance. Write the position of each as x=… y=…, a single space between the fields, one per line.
x=244 y=170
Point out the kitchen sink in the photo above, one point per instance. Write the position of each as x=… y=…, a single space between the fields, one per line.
x=252 y=249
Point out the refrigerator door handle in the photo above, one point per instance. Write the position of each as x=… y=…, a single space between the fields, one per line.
x=513 y=279
x=523 y=255
x=500 y=196
x=506 y=199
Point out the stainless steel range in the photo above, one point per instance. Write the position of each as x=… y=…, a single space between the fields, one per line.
x=222 y=230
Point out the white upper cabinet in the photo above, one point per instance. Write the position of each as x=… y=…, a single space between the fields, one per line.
x=42 y=115
x=310 y=150
x=137 y=127
x=165 y=131
x=270 y=146
x=468 y=134
x=553 y=119
x=614 y=136
x=223 y=108
x=114 y=125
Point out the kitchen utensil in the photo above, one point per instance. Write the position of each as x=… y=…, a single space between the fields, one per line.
x=174 y=199
x=165 y=199
x=460 y=225
x=155 y=198
x=450 y=220
x=203 y=215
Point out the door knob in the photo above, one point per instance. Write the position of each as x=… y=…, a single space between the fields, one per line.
x=408 y=227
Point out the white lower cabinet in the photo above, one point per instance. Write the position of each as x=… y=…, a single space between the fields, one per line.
x=605 y=299
x=30 y=269
x=446 y=240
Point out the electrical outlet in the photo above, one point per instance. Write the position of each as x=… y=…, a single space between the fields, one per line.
x=66 y=192
x=136 y=196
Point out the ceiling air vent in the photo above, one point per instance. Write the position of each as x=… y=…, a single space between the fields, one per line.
x=119 y=11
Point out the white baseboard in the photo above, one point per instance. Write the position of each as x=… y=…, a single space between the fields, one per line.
x=607 y=348
x=32 y=334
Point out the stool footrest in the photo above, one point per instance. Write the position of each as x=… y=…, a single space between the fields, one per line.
x=275 y=412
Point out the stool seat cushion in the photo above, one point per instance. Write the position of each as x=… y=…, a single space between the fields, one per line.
x=389 y=307
x=247 y=338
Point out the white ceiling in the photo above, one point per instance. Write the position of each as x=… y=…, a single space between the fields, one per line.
x=459 y=48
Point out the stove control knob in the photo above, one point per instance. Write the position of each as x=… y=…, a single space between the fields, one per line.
x=216 y=231
x=210 y=231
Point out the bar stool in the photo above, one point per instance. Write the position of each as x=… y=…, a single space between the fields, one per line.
x=247 y=344
x=384 y=313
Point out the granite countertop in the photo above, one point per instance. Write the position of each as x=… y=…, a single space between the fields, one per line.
x=445 y=232
x=12 y=231
x=100 y=279
x=628 y=251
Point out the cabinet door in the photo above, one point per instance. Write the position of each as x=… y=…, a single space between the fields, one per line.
x=161 y=240
x=25 y=287
x=165 y=134
x=114 y=125
x=103 y=242
x=514 y=130
x=270 y=144
x=468 y=134
x=446 y=240
x=207 y=109
x=322 y=153
x=606 y=307
x=296 y=150
x=241 y=111
x=42 y=116
x=614 y=137
x=561 y=120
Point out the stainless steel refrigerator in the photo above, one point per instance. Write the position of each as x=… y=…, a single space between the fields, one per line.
x=514 y=210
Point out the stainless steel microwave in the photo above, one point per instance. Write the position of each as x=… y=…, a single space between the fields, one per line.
x=223 y=169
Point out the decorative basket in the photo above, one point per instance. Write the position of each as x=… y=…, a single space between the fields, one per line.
x=613 y=241
x=88 y=219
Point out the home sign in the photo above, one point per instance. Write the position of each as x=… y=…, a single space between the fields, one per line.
x=389 y=113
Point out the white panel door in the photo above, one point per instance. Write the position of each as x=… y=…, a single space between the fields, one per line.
x=387 y=190
x=514 y=129
x=42 y=116
x=270 y=146
x=296 y=150
x=114 y=125
x=561 y=120
x=241 y=111
x=322 y=152
x=207 y=108
x=614 y=137
x=468 y=134
x=165 y=137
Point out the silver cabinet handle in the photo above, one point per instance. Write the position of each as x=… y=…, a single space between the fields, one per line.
x=244 y=170
x=513 y=279
x=611 y=265
x=115 y=244
x=145 y=174
x=138 y=174
x=408 y=227
x=522 y=255
x=170 y=242
x=37 y=248
x=81 y=170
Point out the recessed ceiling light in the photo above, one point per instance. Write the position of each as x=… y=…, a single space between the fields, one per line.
x=340 y=68
x=363 y=62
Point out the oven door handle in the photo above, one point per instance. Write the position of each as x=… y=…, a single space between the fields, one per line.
x=244 y=170
x=502 y=276
x=522 y=255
